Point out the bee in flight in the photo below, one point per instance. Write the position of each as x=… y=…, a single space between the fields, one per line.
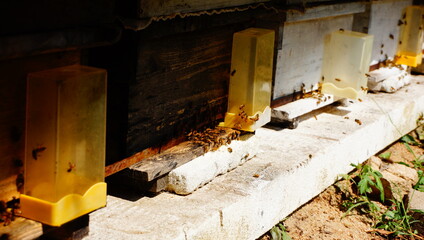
x=36 y=152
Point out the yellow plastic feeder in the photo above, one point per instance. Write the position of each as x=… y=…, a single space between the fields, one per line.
x=249 y=94
x=409 y=51
x=347 y=56
x=65 y=144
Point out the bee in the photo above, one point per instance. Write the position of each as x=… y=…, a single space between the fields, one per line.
x=360 y=100
x=400 y=22
x=71 y=167
x=367 y=75
x=241 y=107
x=404 y=16
x=358 y=121
x=341 y=30
x=381 y=52
x=364 y=88
x=400 y=42
x=337 y=79
x=36 y=152
x=230 y=150
x=382 y=45
x=255 y=118
x=255 y=175
x=310 y=156
x=346 y=117
x=420 y=28
x=391 y=36
x=322 y=78
x=233 y=72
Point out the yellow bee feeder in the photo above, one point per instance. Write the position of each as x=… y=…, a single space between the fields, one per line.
x=250 y=79
x=409 y=51
x=347 y=56
x=65 y=144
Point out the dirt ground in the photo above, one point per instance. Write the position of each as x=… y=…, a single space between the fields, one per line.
x=322 y=217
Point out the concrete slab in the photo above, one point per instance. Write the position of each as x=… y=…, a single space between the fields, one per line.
x=416 y=200
x=292 y=167
x=290 y=111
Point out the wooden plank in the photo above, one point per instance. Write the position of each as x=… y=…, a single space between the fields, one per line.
x=138 y=157
x=33 y=16
x=161 y=164
x=181 y=80
x=21 y=229
x=55 y=41
x=322 y=11
x=12 y=112
x=303 y=45
x=152 y=8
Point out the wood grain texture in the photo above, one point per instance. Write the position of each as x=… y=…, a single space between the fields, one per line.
x=47 y=15
x=151 y=8
x=21 y=229
x=161 y=164
x=181 y=78
x=12 y=112
x=303 y=45
x=323 y=11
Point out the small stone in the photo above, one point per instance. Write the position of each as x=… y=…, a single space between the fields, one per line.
x=403 y=171
x=375 y=162
x=416 y=200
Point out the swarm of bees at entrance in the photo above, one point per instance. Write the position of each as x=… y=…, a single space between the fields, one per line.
x=9 y=211
x=244 y=119
x=212 y=139
x=316 y=94
x=389 y=63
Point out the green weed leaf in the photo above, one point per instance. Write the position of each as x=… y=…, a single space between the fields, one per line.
x=409 y=140
x=385 y=155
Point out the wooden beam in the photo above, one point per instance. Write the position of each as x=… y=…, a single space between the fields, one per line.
x=153 y=8
x=142 y=155
x=323 y=11
x=56 y=41
x=21 y=229
x=161 y=164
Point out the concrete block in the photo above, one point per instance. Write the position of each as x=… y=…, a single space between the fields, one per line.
x=402 y=171
x=292 y=167
x=387 y=79
x=201 y=170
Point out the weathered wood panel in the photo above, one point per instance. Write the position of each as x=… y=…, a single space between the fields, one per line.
x=381 y=21
x=151 y=8
x=18 y=17
x=182 y=81
x=12 y=113
x=299 y=62
x=321 y=11
x=181 y=77
x=55 y=41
